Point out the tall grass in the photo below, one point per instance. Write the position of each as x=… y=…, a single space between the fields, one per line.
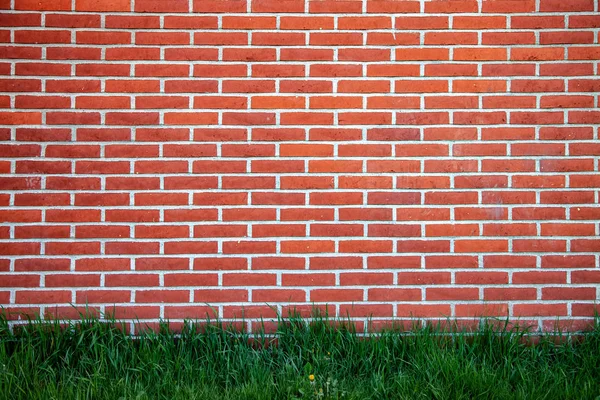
x=92 y=359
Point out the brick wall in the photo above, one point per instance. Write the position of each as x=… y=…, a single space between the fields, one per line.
x=392 y=158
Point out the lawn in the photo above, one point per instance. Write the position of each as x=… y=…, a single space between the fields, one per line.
x=305 y=359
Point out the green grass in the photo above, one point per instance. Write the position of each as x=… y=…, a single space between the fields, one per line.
x=95 y=360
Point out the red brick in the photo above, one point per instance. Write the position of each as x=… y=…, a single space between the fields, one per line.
x=479 y=278
x=536 y=54
x=161 y=6
x=479 y=86
x=103 y=296
x=191 y=279
x=219 y=6
x=10 y=52
x=287 y=263
x=221 y=263
x=478 y=54
x=190 y=247
x=243 y=22
x=538 y=245
x=495 y=70
x=278 y=231
x=278 y=295
x=80 y=280
x=245 y=247
x=42 y=297
x=482 y=310
x=336 y=295
x=162 y=296
x=78 y=248
x=509 y=294
x=480 y=246
x=562 y=293
x=456 y=293
x=423 y=310
x=451 y=261
x=423 y=246
x=44 y=5
x=392 y=6
x=422 y=54
x=572 y=6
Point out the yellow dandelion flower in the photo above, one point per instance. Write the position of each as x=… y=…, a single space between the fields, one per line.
x=311 y=377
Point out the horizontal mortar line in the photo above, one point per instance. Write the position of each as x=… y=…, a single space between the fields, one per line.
x=284 y=271
x=76 y=61
x=319 y=191
x=428 y=285
x=407 y=110
x=341 y=223
x=361 y=254
x=308 y=30
x=341 y=146
x=284 y=206
x=274 y=255
x=354 y=79
x=398 y=303
x=338 y=206
x=301 y=111
x=292 y=206
x=340 y=143
x=445 y=254
x=333 y=46
x=305 y=96
x=258 y=79
x=333 y=14
x=313 y=223
x=316 y=62
x=310 y=222
x=309 y=238
x=248 y=44
x=303 y=79
x=341 y=46
x=310 y=272
x=450 y=126
x=251 y=111
x=309 y=63
x=338 y=95
x=367 y=158
x=353 y=174
x=424 y=271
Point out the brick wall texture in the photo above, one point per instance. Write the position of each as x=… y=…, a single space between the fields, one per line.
x=392 y=159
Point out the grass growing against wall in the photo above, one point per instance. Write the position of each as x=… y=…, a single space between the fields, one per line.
x=94 y=360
